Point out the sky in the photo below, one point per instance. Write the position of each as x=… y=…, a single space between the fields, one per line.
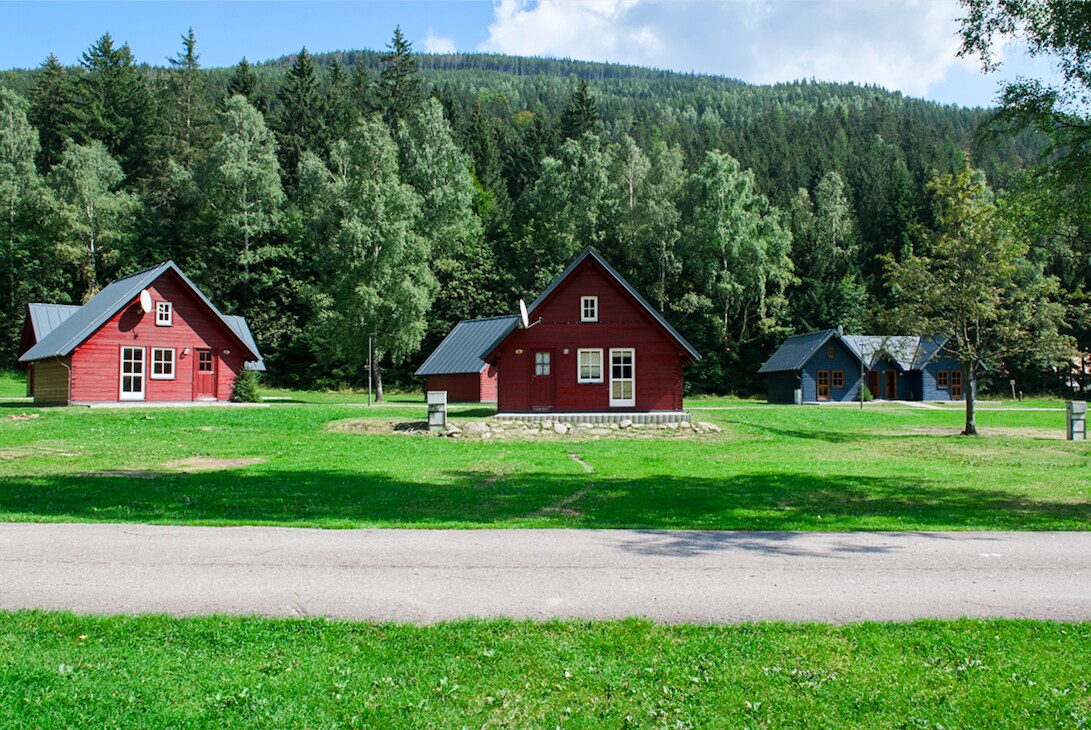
x=904 y=45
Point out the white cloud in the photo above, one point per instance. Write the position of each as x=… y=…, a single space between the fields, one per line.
x=438 y=44
x=908 y=45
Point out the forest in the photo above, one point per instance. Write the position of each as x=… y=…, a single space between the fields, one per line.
x=390 y=194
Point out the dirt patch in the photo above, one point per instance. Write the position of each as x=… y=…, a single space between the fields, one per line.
x=205 y=463
x=1034 y=433
x=377 y=426
x=13 y=454
x=23 y=417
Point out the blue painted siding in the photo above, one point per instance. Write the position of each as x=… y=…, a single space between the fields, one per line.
x=928 y=377
x=782 y=387
x=842 y=360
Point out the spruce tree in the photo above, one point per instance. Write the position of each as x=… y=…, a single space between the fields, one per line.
x=244 y=82
x=300 y=123
x=399 y=82
x=581 y=114
x=52 y=111
x=186 y=116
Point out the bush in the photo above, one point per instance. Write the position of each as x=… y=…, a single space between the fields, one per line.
x=246 y=387
x=866 y=394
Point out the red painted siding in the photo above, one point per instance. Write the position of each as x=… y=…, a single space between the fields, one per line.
x=488 y=384
x=622 y=322
x=96 y=363
x=461 y=388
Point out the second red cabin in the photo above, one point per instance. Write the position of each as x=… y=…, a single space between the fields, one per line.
x=591 y=343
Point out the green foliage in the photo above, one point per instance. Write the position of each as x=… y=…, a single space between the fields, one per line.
x=972 y=281
x=93 y=214
x=246 y=387
x=300 y=123
x=399 y=83
x=581 y=115
x=52 y=110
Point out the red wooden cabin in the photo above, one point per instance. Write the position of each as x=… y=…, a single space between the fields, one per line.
x=456 y=365
x=592 y=344
x=151 y=336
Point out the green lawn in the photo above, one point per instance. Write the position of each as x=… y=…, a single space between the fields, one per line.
x=13 y=384
x=773 y=467
x=60 y=670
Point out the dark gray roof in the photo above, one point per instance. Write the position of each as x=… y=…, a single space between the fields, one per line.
x=909 y=352
x=241 y=329
x=44 y=318
x=796 y=351
x=85 y=321
x=625 y=285
x=462 y=349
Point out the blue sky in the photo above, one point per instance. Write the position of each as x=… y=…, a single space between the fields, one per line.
x=906 y=45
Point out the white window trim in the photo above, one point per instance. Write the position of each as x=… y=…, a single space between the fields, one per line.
x=173 y=364
x=583 y=309
x=579 y=365
x=121 y=394
x=622 y=402
x=168 y=321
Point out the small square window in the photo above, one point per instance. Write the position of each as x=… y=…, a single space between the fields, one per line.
x=838 y=378
x=829 y=352
x=590 y=363
x=162 y=363
x=589 y=309
x=164 y=314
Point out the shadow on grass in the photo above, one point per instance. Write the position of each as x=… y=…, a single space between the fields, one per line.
x=332 y=498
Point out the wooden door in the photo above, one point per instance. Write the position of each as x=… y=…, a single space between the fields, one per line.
x=956 y=385
x=204 y=380
x=823 y=384
x=541 y=380
x=891 y=385
x=873 y=383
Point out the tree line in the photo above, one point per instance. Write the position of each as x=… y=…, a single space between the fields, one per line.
x=389 y=195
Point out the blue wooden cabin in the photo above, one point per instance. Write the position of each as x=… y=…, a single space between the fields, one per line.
x=829 y=366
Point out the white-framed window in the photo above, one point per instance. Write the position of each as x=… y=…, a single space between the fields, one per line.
x=132 y=373
x=164 y=314
x=623 y=377
x=589 y=309
x=590 y=364
x=162 y=363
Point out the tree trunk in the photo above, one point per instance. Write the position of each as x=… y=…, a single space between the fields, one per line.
x=378 y=382
x=970 y=378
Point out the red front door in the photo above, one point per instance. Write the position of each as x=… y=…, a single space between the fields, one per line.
x=541 y=380
x=204 y=380
x=891 y=385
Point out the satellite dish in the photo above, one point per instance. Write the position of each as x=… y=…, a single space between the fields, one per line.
x=146 y=300
x=523 y=316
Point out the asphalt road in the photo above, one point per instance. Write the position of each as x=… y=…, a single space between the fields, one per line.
x=433 y=575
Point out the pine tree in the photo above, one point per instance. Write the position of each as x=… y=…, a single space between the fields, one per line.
x=399 y=81
x=342 y=110
x=244 y=82
x=114 y=104
x=300 y=123
x=581 y=114
x=52 y=111
x=186 y=121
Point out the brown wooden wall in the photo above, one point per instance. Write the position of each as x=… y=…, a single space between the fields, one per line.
x=49 y=380
x=96 y=363
x=622 y=323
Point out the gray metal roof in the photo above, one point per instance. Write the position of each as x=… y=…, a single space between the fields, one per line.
x=44 y=318
x=796 y=351
x=909 y=352
x=241 y=329
x=86 y=320
x=625 y=285
x=462 y=349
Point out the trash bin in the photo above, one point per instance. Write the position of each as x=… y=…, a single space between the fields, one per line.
x=437 y=410
x=797 y=396
x=1076 y=420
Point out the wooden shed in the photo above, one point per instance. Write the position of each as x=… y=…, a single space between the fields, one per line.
x=151 y=336
x=456 y=365
x=593 y=344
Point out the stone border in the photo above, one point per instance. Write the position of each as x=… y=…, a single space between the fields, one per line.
x=550 y=428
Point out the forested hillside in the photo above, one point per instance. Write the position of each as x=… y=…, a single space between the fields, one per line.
x=328 y=198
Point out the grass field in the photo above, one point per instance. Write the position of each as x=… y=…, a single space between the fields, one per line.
x=810 y=468
x=60 y=670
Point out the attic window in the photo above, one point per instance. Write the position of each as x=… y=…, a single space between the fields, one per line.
x=589 y=309
x=164 y=314
x=829 y=352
